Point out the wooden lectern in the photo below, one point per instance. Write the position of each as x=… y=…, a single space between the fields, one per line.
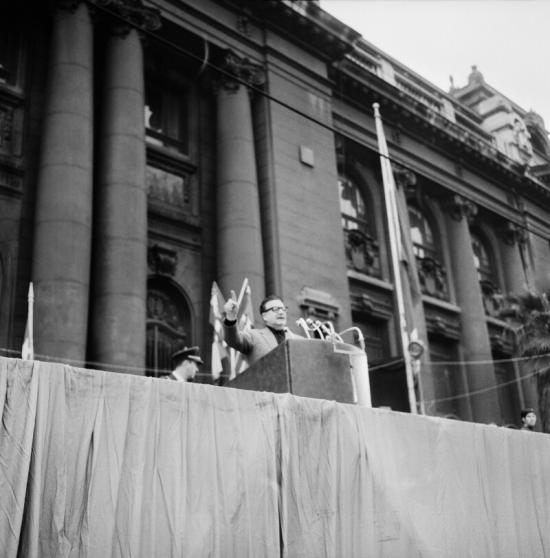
x=305 y=367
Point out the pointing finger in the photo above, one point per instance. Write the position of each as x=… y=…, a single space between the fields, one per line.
x=233 y=295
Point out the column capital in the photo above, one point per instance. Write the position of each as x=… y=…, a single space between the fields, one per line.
x=134 y=12
x=69 y=5
x=513 y=233
x=238 y=70
x=459 y=207
x=405 y=180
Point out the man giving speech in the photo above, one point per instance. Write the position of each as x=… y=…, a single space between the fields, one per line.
x=255 y=343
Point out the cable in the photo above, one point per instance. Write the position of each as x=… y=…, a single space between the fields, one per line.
x=492 y=361
x=485 y=390
x=94 y=365
x=262 y=92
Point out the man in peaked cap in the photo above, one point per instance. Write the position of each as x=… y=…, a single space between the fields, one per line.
x=185 y=364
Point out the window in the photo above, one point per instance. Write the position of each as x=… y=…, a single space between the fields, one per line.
x=482 y=260
x=486 y=274
x=168 y=325
x=166 y=122
x=448 y=378
x=362 y=252
x=421 y=234
x=432 y=274
x=352 y=206
x=508 y=389
x=375 y=333
x=10 y=52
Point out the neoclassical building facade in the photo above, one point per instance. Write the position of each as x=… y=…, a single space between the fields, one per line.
x=148 y=148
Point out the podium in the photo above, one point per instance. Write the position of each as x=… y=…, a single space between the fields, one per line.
x=305 y=367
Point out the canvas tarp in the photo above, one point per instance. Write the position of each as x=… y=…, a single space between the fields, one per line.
x=97 y=464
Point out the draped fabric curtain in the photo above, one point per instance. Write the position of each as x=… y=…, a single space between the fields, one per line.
x=97 y=464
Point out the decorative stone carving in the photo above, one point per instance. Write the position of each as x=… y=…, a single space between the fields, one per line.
x=362 y=252
x=6 y=128
x=318 y=304
x=513 y=233
x=492 y=298
x=522 y=140
x=167 y=187
x=460 y=207
x=162 y=261
x=443 y=324
x=134 y=12
x=161 y=308
x=433 y=278
x=70 y=5
x=405 y=179
x=10 y=180
x=238 y=70
x=243 y=25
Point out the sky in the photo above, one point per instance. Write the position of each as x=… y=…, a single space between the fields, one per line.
x=508 y=41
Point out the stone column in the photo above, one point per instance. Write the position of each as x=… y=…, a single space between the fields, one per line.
x=514 y=237
x=519 y=282
x=474 y=332
x=120 y=234
x=239 y=236
x=63 y=215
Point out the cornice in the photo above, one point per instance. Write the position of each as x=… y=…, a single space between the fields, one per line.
x=403 y=111
x=303 y=22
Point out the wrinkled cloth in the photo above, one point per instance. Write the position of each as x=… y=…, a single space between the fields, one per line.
x=97 y=464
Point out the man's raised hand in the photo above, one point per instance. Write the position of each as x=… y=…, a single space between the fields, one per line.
x=231 y=307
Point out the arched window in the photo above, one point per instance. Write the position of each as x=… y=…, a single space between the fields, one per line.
x=168 y=325
x=362 y=250
x=486 y=273
x=482 y=259
x=421 y=234
x=352 y=206
x=431 y=271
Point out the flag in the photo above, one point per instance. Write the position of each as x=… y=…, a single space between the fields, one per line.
x=219 y=351
x=27 y=350
x=407 y=257
x=398 y=253
x=245 y=321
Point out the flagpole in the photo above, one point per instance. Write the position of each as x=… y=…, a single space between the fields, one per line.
x=393 y=228
x=31 y=318
x=27 y=350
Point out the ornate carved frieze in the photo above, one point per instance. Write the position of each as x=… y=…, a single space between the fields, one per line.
x=168 y=187
x=237 y=70
x=459 y=207
x=162 y=261
x=362 y=252
x=318 y=304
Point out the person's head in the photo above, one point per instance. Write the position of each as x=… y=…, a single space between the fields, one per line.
x=273 y=312
x=186 y=362
x=528 y=417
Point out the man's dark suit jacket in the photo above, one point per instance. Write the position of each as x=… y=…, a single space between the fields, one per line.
x=253 y=343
